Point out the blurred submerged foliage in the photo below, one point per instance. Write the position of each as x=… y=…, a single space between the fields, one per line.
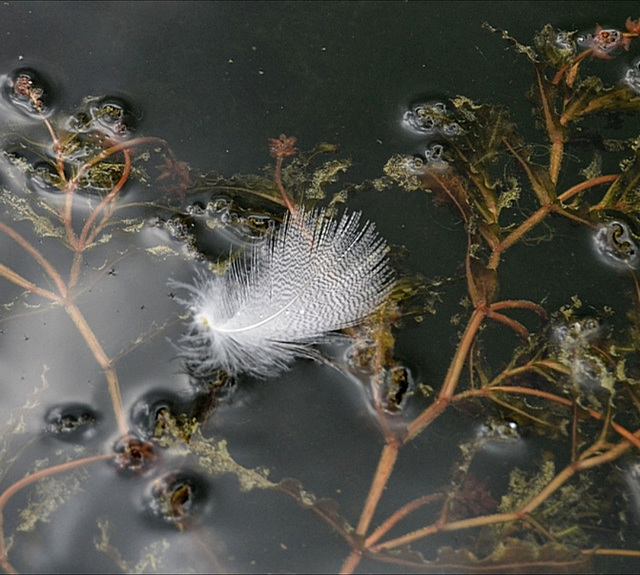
x=569 y=380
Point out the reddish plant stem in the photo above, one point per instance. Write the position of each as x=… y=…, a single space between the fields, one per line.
x=73 y=311
x=486 y=392
x=574 y=190
x=17 y=279
x=451 y=379
x=383 y=472
x=103 y=360
x=351 y=562
x=72 y=184
x=515 y=325
x=539 y=215
x=25 y=482
x=400 y=514
x=563 y=70
x=28 y=247
x=88 y=235
x=522 y=513
x=283 y=193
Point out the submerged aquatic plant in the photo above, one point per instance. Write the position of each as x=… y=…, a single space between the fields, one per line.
x=565 y=373
x=314 y=276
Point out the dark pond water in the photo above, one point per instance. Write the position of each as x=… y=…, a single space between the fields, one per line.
x=275 y=477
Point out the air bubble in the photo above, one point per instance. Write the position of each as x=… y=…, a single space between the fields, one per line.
x=573 y=336
x=151 y=413
x=452 y=129
x=416 y=165
x=28 y=91
x=112 y=114
x=564 y=42
x=632 y=77
x=576 y=346
x=71 y=422
x=617 y=246
x=435 y=158
x=44 y=177
x=603 y=42
x=133 y=455
x=396 y=386
x=430 y=119
x=195 y=208
x=177 y=497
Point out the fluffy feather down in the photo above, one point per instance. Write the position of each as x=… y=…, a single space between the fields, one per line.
x=315 y=275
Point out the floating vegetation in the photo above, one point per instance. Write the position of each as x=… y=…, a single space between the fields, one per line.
x=545 y=385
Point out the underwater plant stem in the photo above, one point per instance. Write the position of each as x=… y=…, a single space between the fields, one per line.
x=487 y=391
x=451 y=379
x=25 y=482
x=515 y=325
x=573 y=66
x=28 y=247
x=452 y=526
x=72 y=184
x=573 y=190
x=559 y=480
x=72 y=310
x=539 y=215
x=103 y=360
x=351 y=562
x=383 y=472
x=105 y=202
x=283 y=192
x=57 y=146
x=88 y=235
x=17 y=279
x=531 y=366
x=570 y=470
x=524 y=228
x=545 y=196
x=618 y=552
x=555 y=132
x=401 y=513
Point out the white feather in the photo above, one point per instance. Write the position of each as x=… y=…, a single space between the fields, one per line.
x=313 y=276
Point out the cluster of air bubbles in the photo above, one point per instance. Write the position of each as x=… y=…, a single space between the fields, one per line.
x=431 y=119
x=210 y=228
x=134 y=455
x=603 y=42
x=177 y=497
x=111 y=115
x=494 y=429
x=576 y=335
x=44 y=177
x=394 y=389
x=632 y=77
x=433 y=160
x=564 y=42
x=28 y=91
x=391 y=388
x=631 y=476
x=498 y=437
x=435 y=157
x=152 y=413
x=617 y=245
x=71 y=422
x=576 y=347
